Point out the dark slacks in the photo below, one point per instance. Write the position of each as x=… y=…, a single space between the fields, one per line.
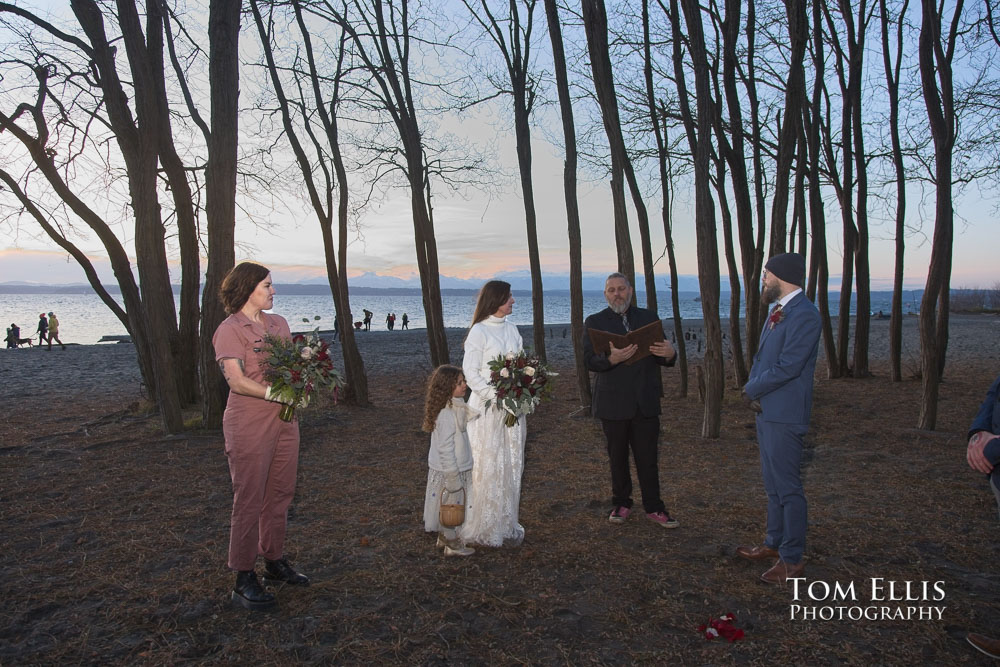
x=780 y=465
x=641 y=435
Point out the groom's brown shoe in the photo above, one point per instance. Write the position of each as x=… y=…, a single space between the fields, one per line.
x=987 y=645
x=758 y=552
x=782 y=572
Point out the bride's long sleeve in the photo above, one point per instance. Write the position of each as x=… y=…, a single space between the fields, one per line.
x=472 y=364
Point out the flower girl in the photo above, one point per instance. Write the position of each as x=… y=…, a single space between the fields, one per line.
x=449 y=460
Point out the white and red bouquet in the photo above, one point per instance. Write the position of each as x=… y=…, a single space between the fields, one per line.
x=521 y=383
x=297 y=367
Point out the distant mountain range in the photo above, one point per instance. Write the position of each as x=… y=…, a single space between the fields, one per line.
x=370 y=282
x=519 y=280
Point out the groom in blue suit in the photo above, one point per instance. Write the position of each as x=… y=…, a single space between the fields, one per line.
x=780 y=390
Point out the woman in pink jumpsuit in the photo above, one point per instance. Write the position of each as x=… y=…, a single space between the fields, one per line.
x=263 y=451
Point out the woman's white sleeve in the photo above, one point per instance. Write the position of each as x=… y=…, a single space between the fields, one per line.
x=472 y=363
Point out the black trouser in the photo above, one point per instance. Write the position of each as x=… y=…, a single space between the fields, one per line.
x=641 y=434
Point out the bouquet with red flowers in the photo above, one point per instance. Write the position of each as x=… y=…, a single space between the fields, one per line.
x=297 y=367
x=521 y=382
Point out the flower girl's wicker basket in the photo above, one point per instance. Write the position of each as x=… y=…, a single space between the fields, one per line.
x=451 y=514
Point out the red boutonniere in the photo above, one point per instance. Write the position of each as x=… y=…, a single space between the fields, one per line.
x=775 y=318
x=721 y=627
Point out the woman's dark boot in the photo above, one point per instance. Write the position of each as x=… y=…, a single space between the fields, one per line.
x=280 y=571
x=248 y=592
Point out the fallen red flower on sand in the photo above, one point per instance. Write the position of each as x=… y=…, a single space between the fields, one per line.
x=721 y=627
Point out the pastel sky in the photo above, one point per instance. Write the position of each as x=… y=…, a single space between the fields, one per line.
x=479 y=237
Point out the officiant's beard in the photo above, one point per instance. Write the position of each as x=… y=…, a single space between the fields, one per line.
x=770 y=294
x=620 y=308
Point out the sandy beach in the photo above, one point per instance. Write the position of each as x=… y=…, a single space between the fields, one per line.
x=116 y=535
x=111 y=368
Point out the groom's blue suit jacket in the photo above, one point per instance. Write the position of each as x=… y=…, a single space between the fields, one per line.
x=782 y=374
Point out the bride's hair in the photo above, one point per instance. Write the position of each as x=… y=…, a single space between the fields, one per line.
x=440 y=388
x=492 y=295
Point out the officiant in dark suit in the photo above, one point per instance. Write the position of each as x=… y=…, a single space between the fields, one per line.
x=627 y=401
x=780 y=390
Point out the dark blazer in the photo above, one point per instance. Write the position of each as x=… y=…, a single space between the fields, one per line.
x=783 y=368
x=622 y=391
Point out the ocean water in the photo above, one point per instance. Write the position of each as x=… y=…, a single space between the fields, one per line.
x=83 y=318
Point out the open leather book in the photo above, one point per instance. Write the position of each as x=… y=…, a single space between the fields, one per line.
x=643 y=337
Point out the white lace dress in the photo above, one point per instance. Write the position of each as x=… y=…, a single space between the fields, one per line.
x=497 y=450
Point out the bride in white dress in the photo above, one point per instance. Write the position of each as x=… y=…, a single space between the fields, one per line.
x=497 y=450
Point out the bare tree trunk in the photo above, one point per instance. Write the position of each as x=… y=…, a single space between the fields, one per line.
x=754 y=328
x=751 y=252
x=850 y=91
x=321 y=196
x=935 y=54
x=514 y=44
x=667 y=171
x=596 y=26
x=798 y=31
x=892 y=84
x=572 y=205
x=657 y=119
x=426 y=244
x=523 y=140
x=77 y=254
x=138 y=142
x=740 y=371
x=220 y=193
x=820 y=265
x=862 y=321
x=708 y=249
x=187 y=233
x=120 y=263
x=354 y=365
x=799 y=201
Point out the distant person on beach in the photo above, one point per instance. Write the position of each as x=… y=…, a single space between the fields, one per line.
x=983 y=455
x=388 y=321
x=449 y=459
x=392 y=321
x=780 y=392
x=336 y=327
x=406 y=322
x=15 y=336
x=263 y=451
x=42 y=330
x=627 y=401
x=494 y=498
x=54 y=331
x=14 y=339
x=368 y=319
